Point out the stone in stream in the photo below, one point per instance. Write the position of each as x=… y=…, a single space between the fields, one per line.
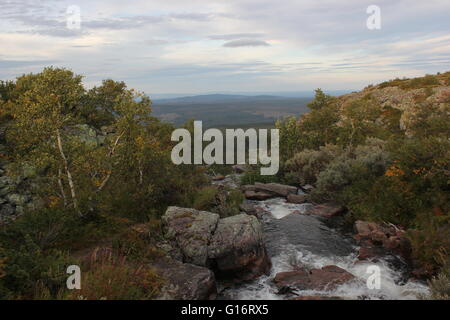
x=276 y=189
x=296 y=198
x=327 y=278
x=325 y=210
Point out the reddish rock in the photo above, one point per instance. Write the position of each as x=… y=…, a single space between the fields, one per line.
x=296 y=198
x=370 y=234
x=399 y=245
x=260 y=196
x=327 y=278
x=218 y=178
x=378 y=236
x=326 y=210
x=366 y=253
x=364 y=228
x=298 y=278
x=276 y=189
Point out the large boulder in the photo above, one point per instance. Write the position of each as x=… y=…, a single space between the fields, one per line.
x=327 y=278
x=184 y=281
x=238 y=249
x=233 y=247
x=191 y=231
x=277 y=189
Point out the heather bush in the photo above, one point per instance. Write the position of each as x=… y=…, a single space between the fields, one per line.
x=305 y=166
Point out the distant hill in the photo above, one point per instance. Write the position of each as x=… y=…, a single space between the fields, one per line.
x=214 y=98
x=228 y=109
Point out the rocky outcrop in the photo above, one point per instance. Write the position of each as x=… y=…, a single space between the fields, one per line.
x=15 y=192
x=233 y=247
x=237 y=248
x=326 y=278
x=378 y=239
x=184 y=281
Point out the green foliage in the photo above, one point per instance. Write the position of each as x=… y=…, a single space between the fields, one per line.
x=111 y=277
x=304 y=167
x=205 y=198
x=357 y=153
x=440 y=285
x=220 y=200
x=28 y=264
x=430 y=242
x=253 y=175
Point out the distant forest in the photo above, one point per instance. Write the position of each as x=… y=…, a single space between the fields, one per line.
x=225 y=111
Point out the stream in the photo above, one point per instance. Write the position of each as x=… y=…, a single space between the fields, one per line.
x=294 y=238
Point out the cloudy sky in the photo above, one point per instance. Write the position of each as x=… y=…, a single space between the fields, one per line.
x=200 y=46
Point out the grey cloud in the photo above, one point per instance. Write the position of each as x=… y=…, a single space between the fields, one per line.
x=246 y=43
x=155 y=42
x=192 y=16
x=234 y=36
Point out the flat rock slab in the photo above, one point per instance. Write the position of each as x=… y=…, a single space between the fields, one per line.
x=327 y=278
x=276 y=189
x=326 y=210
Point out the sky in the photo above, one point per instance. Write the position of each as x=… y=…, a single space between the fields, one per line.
x=206 y=46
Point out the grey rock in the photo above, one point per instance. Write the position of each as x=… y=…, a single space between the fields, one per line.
x=17 y=199
x=184 y=281
x=238 y=249
x=191 y=231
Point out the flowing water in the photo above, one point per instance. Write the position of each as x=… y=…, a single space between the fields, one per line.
x=294 y=238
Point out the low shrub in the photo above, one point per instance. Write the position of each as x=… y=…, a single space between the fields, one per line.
x=112 y=277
